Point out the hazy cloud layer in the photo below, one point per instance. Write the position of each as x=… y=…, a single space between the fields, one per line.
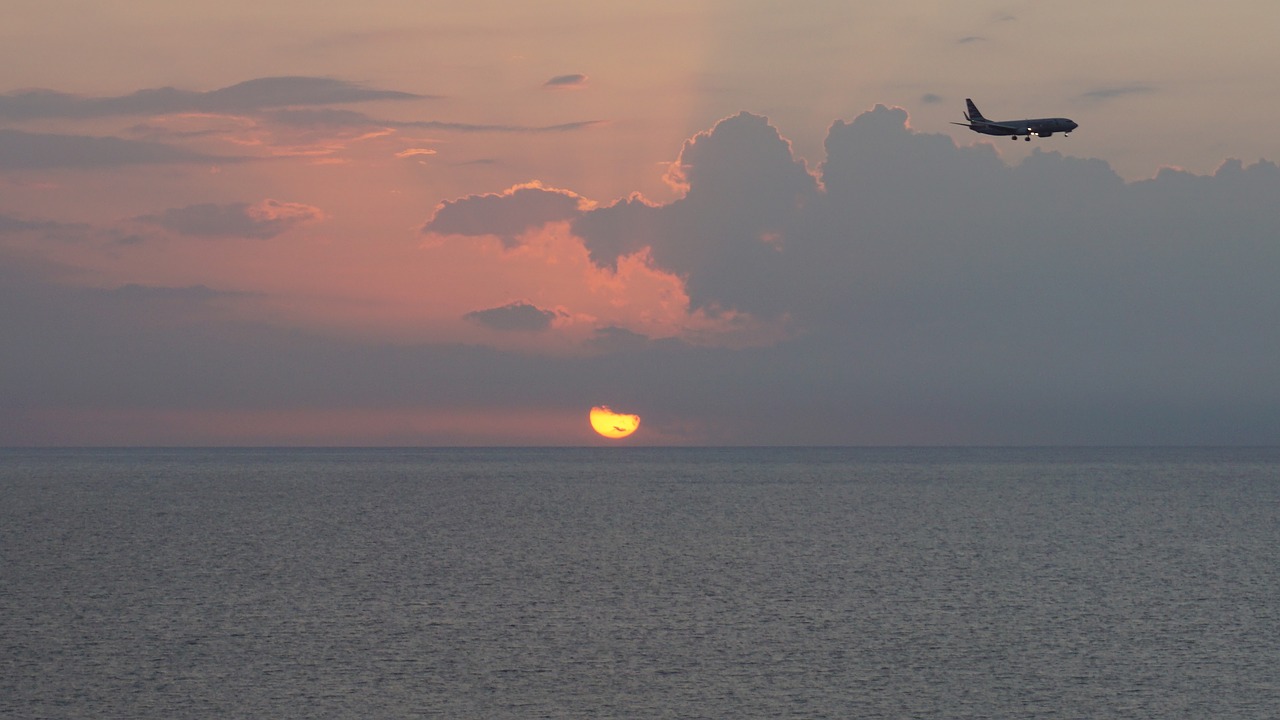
x=194 y=294
x=56 y=231
x=334 y=117
x=262 y=220
x=33 y=151
x=258 y=94
x=1116 y=91
x=10 y=224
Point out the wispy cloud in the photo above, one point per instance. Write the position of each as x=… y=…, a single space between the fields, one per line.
x=1117 y=91
x=262 y=220
x=51 y=230
x=14 y=225
x=21 y=150
x=333 y=117
x=196 y=294
x=251 y=95
x=415 y=152
x=566 y=82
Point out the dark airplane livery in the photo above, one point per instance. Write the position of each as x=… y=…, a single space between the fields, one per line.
x=1040 y=127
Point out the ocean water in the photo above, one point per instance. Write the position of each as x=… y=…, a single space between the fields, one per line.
x=640 y=583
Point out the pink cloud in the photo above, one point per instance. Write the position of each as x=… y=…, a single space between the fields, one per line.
x=262 y=220
x=506 y=214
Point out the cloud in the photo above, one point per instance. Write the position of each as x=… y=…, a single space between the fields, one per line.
x=263 y=220
x=746 y=195
x=10 y=224
x=333 y=117
x=49 y=229
x=415 y=152
x=563 y=82
x=932 y=294
x=251 y=95
x=517 y=316
x=196 y=294
x=29 y=151
x=506 y=214
x=615 y=339
x=1116 y=91
x=937 y=275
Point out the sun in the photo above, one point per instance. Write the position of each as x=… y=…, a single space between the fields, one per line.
x=611 y=424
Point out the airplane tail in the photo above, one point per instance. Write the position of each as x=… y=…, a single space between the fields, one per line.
x=973 y=114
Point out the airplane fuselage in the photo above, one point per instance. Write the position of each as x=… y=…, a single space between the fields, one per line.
x=1040 y=127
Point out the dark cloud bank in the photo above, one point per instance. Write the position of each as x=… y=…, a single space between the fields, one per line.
x=935 y=296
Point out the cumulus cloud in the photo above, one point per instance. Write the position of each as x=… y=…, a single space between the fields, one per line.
x=251 y=95
x=923 y=279
x=517 y=316
x=262 y=220
x=746 y=196
x=920 y=273
x=507 y=214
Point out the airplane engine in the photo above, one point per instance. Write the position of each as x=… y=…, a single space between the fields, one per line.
x=1044 y=134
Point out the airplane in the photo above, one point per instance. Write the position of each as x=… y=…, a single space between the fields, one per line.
x=1040 y=127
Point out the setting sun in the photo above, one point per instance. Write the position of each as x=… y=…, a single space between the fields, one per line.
x=611 y=424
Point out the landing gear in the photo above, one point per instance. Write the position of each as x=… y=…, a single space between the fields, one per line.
x=1027 y=138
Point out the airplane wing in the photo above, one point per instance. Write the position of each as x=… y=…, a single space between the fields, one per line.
x=990 y=124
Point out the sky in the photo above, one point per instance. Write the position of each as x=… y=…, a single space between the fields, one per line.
x=398 y=222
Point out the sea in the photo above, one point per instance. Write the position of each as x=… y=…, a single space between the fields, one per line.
x=628 y=582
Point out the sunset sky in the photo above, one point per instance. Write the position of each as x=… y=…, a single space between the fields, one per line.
x=398 y=222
